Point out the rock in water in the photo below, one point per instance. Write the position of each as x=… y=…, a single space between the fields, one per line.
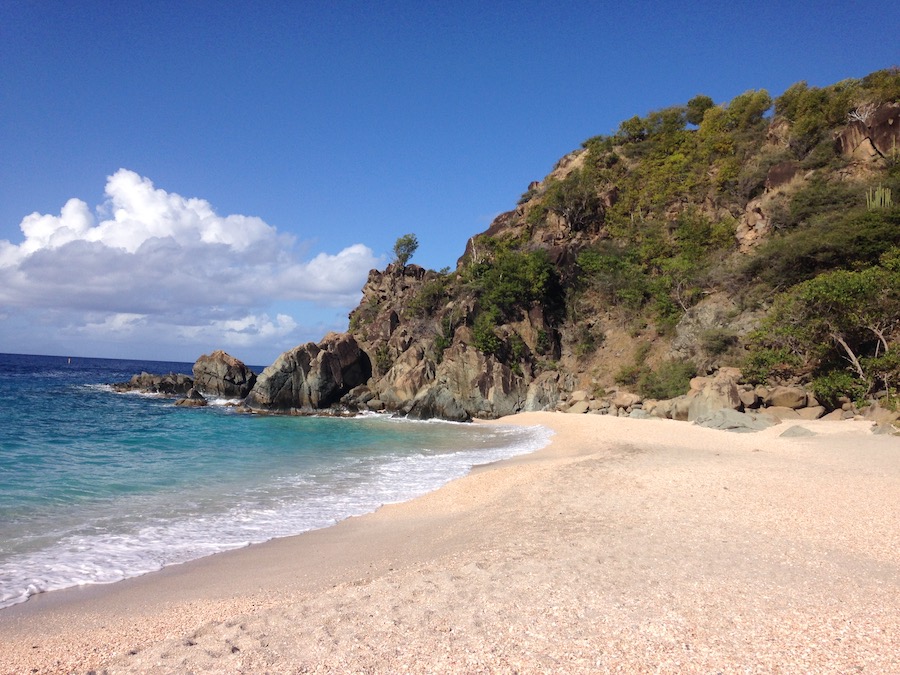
x=220 y=374
x=311 y=376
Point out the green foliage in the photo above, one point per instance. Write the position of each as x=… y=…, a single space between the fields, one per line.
x=717 y=341
x=631 y=373
x=484 y=332
x=404 y=248
x=671 y=379
x=845 y=321
x=575 y=200
x=858 y=239
x=836 y=384
x=429 y=297
x=765 y=363
x=588 y=339
x=384 y=360
x=696 y=109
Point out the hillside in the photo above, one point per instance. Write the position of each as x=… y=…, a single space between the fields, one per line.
x=758 y=234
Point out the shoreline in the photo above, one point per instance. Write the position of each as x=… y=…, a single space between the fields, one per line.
x=611 y=548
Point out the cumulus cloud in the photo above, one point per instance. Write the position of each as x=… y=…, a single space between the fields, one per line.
x=147 y=257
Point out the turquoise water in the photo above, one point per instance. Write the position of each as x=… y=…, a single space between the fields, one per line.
x=97 y=486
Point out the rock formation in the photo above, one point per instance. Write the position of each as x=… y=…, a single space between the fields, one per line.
x=311 y=377
x=171 y=384
x=220 y=374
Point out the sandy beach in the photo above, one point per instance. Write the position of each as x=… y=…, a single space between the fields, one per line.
x=624 y=546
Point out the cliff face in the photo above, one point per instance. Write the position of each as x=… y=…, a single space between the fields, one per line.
x=643 y=258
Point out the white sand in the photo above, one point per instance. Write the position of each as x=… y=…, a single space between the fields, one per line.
x=625 y=546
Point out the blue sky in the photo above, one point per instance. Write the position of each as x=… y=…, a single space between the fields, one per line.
x=178 y=177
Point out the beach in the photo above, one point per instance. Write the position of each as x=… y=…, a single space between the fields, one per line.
x=624 y=546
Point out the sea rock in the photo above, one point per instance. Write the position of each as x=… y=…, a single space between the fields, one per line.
x=220 y=374
x=171 y=384
x=579 y=408
x=782 y=412
x=194 y=399
x=311 y=376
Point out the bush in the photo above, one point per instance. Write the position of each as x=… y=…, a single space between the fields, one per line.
x=672 y=379
x=829 y=388
x=717 y=341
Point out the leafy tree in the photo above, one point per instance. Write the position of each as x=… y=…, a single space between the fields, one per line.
x=404 y=248
x=575 y=200
x=696 y=108
x=841 y=320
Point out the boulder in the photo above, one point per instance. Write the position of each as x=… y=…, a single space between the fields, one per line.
x=311 y=376
x=713 y=394
x=786 y=397
x=728 y=419
x=811 y=413
x=624 y=399
x=782 y=413
x=220 y=374
x=796 y=431
x=579 y=408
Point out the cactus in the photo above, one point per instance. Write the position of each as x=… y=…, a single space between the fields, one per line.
x=879 y=198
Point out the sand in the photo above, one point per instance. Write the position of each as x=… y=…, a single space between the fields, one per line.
x=624 y=546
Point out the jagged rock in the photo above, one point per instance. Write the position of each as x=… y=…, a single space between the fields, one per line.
x=874 y=139
x=544 y=392
x=727 y=419
x=311 y=376
x=171 y=384
x=786 y=397
x=469 y=384
x=220 y=374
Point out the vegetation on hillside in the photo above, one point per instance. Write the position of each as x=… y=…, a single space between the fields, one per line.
x=638 y=227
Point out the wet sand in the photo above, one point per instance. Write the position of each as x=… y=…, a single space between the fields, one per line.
x=624 y=546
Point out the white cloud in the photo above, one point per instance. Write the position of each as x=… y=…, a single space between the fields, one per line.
x=148 y=258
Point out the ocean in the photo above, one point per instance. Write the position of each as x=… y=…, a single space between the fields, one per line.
x=98 y=486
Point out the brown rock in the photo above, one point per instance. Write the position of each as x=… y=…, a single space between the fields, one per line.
x=787 y=397
x=311 y=376
x=220 y=374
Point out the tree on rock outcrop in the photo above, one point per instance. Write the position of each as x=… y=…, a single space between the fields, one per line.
x=404 y=248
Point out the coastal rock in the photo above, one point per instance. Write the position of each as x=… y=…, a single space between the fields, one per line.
x=311 y=376
x=170 y=384
x=469 y=381
x=194 y=399
x=220 y=374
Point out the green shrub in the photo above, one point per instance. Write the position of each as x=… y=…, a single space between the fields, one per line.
x=835 y=384
x=717 y=341
x=671 y=379
x=384 y=360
